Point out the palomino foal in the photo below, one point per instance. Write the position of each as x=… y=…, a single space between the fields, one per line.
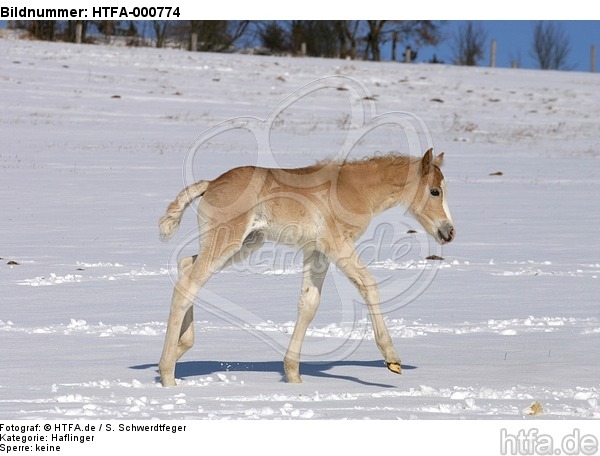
x=322 y=210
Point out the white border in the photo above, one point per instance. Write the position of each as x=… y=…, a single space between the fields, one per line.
x=318 y=9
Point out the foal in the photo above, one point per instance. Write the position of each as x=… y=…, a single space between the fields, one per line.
x=322 y=210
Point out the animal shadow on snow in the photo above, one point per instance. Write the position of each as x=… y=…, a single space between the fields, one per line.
x=199 y=368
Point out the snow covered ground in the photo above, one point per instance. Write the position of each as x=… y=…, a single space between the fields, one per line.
x=95 y=142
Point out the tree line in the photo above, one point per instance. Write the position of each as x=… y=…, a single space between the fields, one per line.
x=345 y=39
x=326 y=38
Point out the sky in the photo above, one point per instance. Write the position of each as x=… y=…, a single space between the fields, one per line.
x=514 y=41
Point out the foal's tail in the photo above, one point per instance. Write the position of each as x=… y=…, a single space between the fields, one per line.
x=169 y=223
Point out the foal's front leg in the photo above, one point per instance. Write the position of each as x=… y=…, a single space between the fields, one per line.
x=349 y=263
x=315 y=269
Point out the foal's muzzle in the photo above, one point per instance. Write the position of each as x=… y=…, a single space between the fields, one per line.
x=445 y=233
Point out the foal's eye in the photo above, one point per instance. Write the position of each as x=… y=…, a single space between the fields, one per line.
x=434 y=192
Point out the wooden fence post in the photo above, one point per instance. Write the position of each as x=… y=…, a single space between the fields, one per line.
x=78 y=32
x=194 y=42
x=493 y=54
x=593 y=58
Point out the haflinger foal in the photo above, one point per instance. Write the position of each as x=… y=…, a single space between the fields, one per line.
x=322 y=209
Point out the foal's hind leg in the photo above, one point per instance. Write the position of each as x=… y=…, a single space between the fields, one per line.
x=216 y=249
x=186 y=335
x=315 y=269
x=178 y=336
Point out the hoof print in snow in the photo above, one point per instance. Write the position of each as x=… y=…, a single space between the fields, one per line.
x=116 y=96
x=497 y=173
x=434 y=257
x=12 y=263
x=411 y=232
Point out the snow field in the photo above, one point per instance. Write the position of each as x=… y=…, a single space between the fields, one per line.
x=93 y=148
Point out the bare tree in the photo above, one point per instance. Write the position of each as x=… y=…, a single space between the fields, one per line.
x=376 y=36
x=348 y=38
x=550 y=46
x=235 y=31
x=323 y=38
x=218 y=36
x=416 y=33
x=107 y=28
x=136 y=33
x=43 y=30
x=161 y=30
x=320 y=37
x=275 y=37
x=70 y=30
x=420 y=32
x=469 y=44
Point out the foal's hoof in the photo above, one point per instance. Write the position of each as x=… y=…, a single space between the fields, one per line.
x=168 y=382
x=395 y=368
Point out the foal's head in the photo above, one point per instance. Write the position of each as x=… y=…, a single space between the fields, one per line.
x=430 y=206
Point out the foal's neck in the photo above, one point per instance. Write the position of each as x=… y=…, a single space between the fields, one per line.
x=388 y=181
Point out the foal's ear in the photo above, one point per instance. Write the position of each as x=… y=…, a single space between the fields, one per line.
x=426 y=162
x=439 y=160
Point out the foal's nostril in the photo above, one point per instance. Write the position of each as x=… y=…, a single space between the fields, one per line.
x=449 y=235
x=446 y=233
